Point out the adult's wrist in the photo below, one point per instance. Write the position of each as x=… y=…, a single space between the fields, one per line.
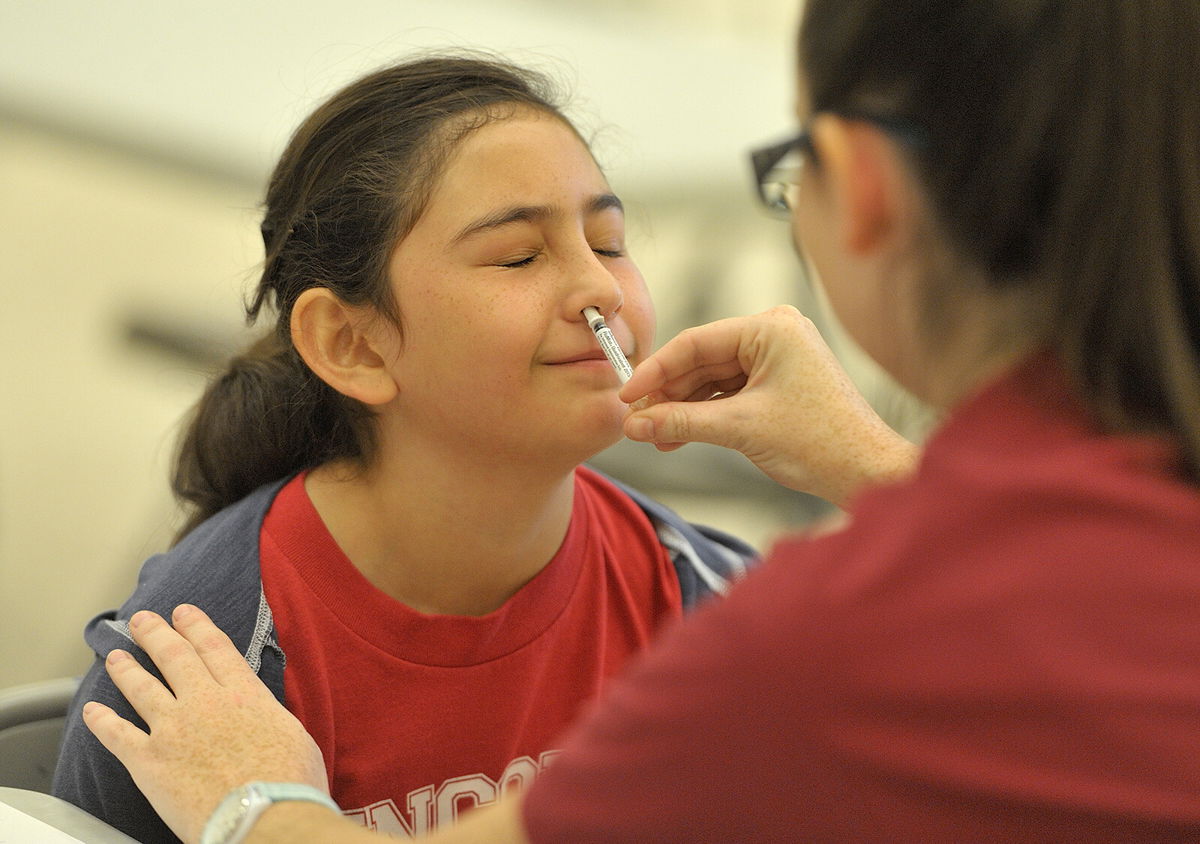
x=237 y=816
x=287 y=823
x=884 y=458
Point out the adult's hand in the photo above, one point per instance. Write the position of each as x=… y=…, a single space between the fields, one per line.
x=785 y=402
x=221 y=729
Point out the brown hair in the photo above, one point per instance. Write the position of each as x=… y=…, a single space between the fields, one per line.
x=1061 y=157
x=351 y=183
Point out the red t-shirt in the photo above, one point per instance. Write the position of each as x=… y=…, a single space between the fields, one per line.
x=1004 y=648
x=422 y=716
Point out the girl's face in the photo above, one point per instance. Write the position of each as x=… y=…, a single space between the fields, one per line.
x=519 y=235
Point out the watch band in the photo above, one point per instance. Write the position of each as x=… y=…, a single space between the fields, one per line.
x=236 y=814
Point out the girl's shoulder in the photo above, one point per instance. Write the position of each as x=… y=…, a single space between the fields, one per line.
x=707 y=561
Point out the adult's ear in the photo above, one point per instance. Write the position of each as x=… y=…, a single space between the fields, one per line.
x=336 y=341
x=867 y=181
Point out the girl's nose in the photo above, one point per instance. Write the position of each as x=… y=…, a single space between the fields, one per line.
x=592 y=284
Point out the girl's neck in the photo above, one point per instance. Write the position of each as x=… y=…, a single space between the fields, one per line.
x=445 y=534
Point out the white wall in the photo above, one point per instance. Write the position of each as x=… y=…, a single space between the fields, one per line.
x=226 y=80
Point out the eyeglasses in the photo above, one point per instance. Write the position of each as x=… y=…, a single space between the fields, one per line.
x=777 y=171
x=777 y=167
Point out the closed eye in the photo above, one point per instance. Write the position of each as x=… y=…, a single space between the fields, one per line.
x=610 y=253
x=522 y=262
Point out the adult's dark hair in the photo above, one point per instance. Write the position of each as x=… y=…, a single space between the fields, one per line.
x=1061 y=157
x=351 y=183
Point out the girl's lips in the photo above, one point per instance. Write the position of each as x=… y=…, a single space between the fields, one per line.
x=588 y=356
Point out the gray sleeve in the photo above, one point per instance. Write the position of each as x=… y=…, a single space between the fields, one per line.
x=217 y=568
x=87 y=774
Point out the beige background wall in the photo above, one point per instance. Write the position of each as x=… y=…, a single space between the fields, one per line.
x=88 y=241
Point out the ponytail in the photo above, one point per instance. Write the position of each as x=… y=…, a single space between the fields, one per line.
x=266 y=418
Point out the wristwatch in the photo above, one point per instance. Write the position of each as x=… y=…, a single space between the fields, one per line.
x=236 y=814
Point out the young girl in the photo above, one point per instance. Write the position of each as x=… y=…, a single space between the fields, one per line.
x=389 y=512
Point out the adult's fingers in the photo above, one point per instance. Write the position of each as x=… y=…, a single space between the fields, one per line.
x=694 y=357
x=671 y=424
x=121 y=738
x=148 y=696
x=214 y=648
x=174 y=655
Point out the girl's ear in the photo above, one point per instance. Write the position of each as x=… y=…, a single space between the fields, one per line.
x=866 y=180
x=334 y=340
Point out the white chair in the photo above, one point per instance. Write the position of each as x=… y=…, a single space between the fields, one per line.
x=32 y=718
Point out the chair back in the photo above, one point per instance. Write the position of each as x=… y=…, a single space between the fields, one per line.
x=32 y=718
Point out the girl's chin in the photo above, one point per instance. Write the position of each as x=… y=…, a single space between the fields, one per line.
x=581 y=448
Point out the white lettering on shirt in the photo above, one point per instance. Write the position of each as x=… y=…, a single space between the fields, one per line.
x=429 y=807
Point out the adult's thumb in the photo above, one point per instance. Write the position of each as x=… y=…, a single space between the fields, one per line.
x=671 y=424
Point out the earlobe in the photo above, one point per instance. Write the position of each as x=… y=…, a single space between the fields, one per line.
x=860 y=168
x=336 y=342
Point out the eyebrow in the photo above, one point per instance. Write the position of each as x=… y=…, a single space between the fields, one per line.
x=533 y=214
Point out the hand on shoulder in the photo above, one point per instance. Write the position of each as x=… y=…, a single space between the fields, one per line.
x=216 y=728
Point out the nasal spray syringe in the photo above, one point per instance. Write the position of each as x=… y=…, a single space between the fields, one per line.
x=608 y=343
